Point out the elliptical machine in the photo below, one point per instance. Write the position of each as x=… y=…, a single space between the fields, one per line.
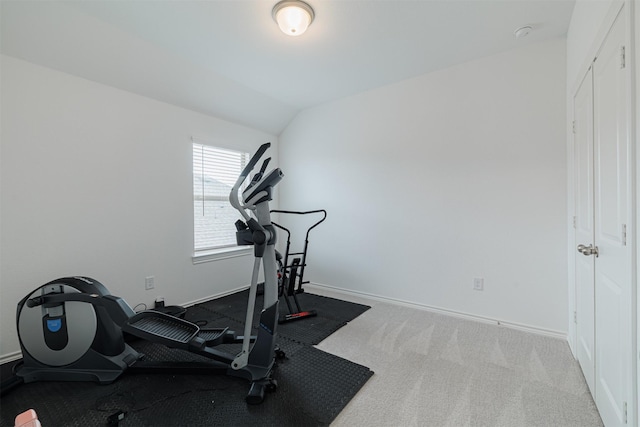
x=71 y=329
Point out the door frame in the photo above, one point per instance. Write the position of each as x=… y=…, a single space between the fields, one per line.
x=584 y=216
x=634 y=63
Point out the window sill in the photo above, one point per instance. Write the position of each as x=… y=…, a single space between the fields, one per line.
x=218 y=254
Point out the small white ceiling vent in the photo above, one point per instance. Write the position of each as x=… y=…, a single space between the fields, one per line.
x=522 y=31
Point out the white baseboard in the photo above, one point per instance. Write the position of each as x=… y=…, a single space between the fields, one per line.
x=10 y=357
x=327 y=290
x=216 y=296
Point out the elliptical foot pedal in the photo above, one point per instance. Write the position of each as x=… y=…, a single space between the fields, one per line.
x=217 y=336
x=164 y=329
x=297 y=316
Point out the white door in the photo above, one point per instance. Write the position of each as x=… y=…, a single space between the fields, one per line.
x=613 y=309
x=584 y=222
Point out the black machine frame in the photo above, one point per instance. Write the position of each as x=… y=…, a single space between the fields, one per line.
x=292 y=272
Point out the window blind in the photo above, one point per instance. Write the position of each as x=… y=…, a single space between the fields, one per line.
x=215 y=170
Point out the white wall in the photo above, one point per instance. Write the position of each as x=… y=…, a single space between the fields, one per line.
x=97 y=181
x=436 y=180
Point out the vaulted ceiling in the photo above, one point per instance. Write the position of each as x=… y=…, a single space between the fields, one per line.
x=228 y=58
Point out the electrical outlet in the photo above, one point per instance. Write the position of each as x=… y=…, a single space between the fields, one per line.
x=478 y=284
x=149 y=283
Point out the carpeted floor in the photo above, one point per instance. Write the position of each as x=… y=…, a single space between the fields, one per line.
x=437 y=370
x=313 y=386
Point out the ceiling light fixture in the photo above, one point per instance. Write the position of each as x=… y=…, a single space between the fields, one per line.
x=293 y=16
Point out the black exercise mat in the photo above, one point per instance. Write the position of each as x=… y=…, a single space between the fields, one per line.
x=332 y=314
x=313 y=386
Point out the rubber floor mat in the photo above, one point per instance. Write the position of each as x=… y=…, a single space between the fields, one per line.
x=332 y=314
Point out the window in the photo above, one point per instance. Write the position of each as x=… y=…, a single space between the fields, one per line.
x=215 y=170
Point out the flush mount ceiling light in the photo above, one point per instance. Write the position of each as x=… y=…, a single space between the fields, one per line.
x=293 y=16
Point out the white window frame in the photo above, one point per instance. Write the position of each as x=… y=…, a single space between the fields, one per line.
x=214 y=253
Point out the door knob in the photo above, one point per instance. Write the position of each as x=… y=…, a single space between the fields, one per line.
x=588 y=250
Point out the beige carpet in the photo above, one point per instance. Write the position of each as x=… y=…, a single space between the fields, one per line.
x=437 y=370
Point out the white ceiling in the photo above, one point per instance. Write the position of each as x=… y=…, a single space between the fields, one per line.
x=229 y=59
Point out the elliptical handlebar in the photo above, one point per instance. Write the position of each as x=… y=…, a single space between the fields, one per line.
x=233 y=196
x=324 y=212
x=253 y=205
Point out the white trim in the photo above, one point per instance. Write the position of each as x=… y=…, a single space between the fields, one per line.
x=571 y=229
x=223 y=253
x=322 y=288
x=10 y=357
x=634 y=58
x=614 y=9
x=225 y=144
x=216 y=296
